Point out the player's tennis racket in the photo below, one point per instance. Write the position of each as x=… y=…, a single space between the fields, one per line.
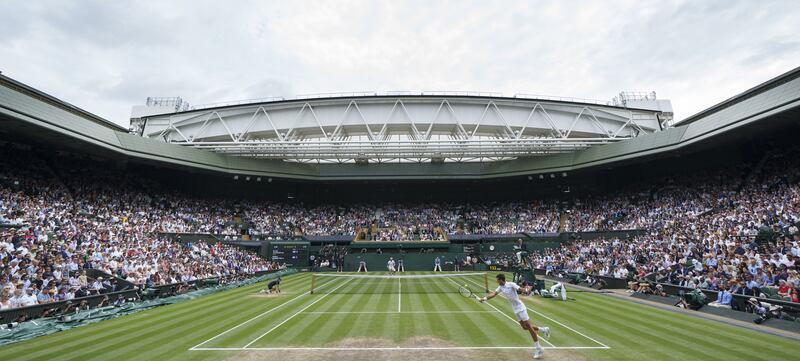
x=466 y=292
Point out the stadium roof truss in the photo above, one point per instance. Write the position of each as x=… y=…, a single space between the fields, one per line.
x=379 y=129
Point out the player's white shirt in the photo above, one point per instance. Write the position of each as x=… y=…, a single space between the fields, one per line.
x=510 y=291
x=390 y=265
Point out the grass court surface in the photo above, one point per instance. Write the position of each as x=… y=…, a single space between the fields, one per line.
x=399 y=319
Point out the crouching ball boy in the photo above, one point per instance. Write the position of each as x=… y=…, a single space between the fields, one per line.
x=511 y=290
x=273 y=287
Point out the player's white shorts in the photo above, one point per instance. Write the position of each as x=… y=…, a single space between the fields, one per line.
x=391 y=269
x=522 y=315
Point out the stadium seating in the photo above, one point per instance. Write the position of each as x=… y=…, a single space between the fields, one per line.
x=58 y=222
x=63 y=214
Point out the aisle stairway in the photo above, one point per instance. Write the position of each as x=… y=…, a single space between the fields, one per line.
x=754 y=173
x=53 y=171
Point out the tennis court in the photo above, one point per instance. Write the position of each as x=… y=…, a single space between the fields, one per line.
x=381 y=313
x=399 y=319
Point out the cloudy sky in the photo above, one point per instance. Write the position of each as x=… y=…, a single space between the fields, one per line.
x=106 y=56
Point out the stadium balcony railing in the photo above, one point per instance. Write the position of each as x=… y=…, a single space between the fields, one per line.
x=37 y=311
x=674 y=290
x=741 y=300
x=454 y=237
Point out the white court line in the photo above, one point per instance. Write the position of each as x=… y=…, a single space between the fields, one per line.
x=297 y=313
x=399 y=294
x=393 y=312
x=503 y=313
x=569 y=328
x=565 y=326
x=197 y=348
x=455 y=348
x=250 y=320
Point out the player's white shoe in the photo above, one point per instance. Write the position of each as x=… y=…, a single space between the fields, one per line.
x=537 y=353
x=545 y=331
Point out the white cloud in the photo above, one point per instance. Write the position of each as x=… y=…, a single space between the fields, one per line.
x=107 y=56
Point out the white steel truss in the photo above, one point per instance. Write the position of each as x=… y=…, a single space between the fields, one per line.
x=400 y=128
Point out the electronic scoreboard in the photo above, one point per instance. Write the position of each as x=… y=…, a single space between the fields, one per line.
x=470 y=248
x=293 y=254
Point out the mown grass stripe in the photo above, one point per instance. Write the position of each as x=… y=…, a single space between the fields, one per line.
x=283 y=322
x=497 y=325
x=434 y=321
x=317 y=329
x=252 y=330
x=307 y=329
x=380 y=326
x=122 y=324
x=449 y=296
x=505 y=309
x=727 y=331
x=142 y=339
x=169 y=319
x=632 y=309
x=634 y=331
x=361 y=322
x=472 y=329
x=154 y=344
x=624 y=319
x=668 y=336
x=696 y=334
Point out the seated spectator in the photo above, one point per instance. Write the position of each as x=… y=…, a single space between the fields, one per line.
x=724 y=299
x=44 y=296
x=29 y=298
x=784 y=289
x=659 y=291
x=5 y=301
x=644 y=287
x=696 y=230
x=120 y=301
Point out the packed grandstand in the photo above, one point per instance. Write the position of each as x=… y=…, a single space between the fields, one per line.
x=57 y=225
x=98 y=221
x=440 y=181
x=65 y=214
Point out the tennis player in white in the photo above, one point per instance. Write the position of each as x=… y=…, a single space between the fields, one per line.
x=390 y=266
x=511 y=290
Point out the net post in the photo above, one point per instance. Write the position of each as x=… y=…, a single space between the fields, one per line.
x=486 y=282
x=313 y=277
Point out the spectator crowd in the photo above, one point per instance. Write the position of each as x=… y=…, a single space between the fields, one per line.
x=55 y=227
x=731 y=233
x=733 y=230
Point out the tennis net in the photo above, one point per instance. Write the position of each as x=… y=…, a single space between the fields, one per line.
x=386 y=284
